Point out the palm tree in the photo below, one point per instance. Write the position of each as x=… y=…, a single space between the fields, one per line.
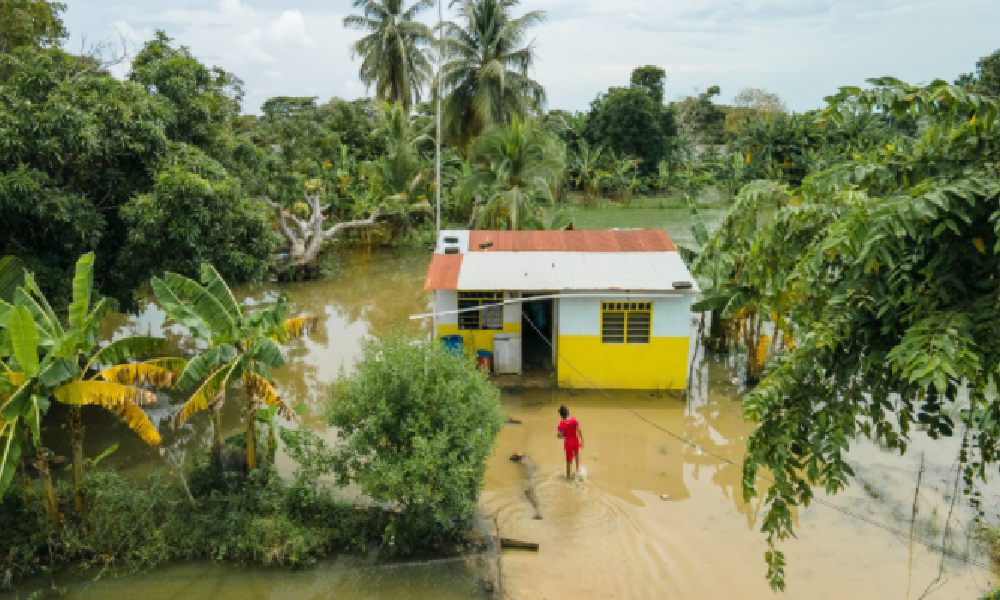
x=584 y=163
x=242 y=348
x=516 y=165
x=399 y=171
x=486 y=76
x=392 y=54
x=49 y=358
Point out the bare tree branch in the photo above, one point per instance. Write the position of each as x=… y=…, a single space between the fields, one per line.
x=307 y=236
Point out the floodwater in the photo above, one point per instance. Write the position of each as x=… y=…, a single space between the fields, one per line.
x=660 y=513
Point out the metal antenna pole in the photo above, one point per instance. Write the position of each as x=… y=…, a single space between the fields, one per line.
x=437 y=170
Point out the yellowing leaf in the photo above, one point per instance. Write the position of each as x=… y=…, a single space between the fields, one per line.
x=257 y=387
x=748 y=158
x=216 y=384
x=763 y=343
x=295 y=328
x=978 y=243
x=101 y=393
x=137 y=421
x=141 y=374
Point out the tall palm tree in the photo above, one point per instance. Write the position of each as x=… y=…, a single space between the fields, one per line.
x=516 y=166
x=486 y=73
x=392 y=53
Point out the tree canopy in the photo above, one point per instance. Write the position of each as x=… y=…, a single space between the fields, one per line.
x=35 y=23
x=86 y=150
x=882 y=267
x=632 y=122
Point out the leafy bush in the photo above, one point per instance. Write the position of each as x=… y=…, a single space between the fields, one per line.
x=418 y=425
x=132 y=525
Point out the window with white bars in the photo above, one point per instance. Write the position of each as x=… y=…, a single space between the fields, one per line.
x=490 y=313
x=626 y=322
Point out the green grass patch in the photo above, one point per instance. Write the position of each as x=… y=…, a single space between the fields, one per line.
x=669 y=213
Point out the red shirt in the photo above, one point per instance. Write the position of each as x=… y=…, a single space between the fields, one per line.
x=568 y=429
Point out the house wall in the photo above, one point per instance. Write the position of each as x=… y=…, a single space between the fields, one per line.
x=446 y=300
x=584 y=360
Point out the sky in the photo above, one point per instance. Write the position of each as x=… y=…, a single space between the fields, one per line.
x=803 y=50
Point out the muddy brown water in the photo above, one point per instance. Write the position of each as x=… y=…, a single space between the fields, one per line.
x=611 y=535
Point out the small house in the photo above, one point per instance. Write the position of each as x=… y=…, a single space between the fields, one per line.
x=610 y=309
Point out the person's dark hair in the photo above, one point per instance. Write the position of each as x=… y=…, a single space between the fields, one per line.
x=563 y=411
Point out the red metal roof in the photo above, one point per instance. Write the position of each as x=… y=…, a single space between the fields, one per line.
x=443 y=272
x=645 y=240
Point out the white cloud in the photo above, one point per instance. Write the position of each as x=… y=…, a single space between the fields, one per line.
x=290 y=30
x=801 y=49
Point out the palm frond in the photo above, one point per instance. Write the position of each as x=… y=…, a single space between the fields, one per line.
x=138 y=421
x=83 y=286
x=216 y=286
x=201 y=366
x=25 y=338
x=258 y=388
x=120 y=351
x=10 y=452
x=101 y=393
x=212 y=310
x=296 y=328
x=178 y=311
x=266 y=351
x=216 y=384
x=141 y=374
x=42 y=320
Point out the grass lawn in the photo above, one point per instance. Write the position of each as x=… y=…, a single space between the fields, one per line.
x=669 y=213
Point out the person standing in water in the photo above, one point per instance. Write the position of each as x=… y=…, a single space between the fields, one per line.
x=572 y=436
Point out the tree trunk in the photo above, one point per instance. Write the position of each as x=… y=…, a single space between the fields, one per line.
x=216 y=412
x=307 y=237
x=251 y=437
x=76 y=437
x=717 y=341
x=51 y=504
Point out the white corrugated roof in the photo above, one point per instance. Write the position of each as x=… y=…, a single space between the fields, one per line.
x=573 y=271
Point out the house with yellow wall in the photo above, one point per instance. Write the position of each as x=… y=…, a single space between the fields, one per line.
x=610 y=309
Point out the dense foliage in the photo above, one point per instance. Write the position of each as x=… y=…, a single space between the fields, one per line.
x=417 y=425
x=881 y=268
x=136 y=525
x=88 y=158
x=633 y=122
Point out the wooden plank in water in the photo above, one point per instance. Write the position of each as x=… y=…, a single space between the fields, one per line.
x=512 y=544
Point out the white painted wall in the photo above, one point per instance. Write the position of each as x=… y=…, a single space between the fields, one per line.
x=582 y=316
x=445 y=300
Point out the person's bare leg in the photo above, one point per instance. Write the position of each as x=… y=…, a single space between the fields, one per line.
x=577 y=462
x=568 y=463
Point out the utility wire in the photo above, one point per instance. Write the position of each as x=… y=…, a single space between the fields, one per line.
x=844 y=511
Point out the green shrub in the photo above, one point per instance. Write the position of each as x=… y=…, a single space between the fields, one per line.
x=418 y=425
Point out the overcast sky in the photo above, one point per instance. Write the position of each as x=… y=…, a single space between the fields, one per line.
x=801 y=49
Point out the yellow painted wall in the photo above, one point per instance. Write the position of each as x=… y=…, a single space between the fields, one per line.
x=477 y=340
x=659 y=365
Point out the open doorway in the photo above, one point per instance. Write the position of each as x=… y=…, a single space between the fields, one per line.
x=536 y=335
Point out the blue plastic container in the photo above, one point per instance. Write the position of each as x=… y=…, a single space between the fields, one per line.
x=453 y=343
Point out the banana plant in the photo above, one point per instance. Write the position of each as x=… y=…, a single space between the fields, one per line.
x=242 y=350
x=45 y=361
